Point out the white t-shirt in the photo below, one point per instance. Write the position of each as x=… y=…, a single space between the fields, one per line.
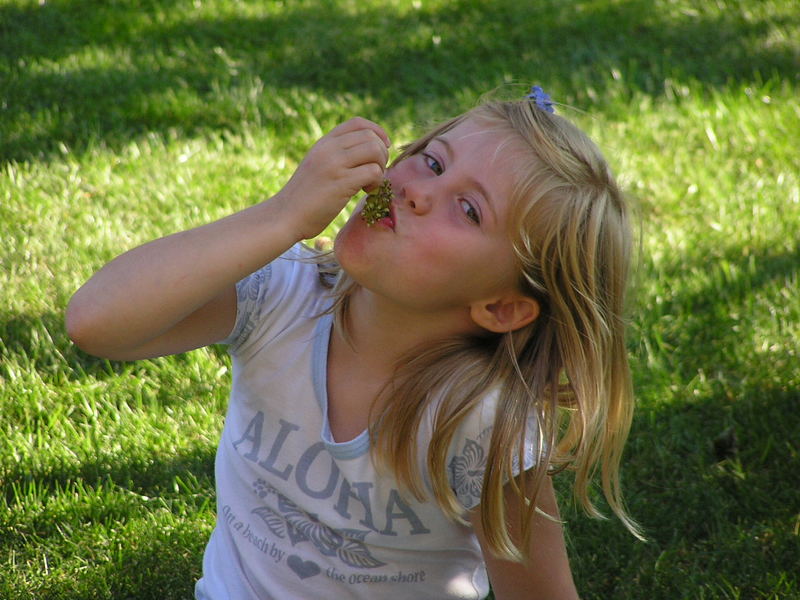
x=302 y=516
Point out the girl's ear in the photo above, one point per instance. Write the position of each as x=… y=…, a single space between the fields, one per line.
x=505 y=314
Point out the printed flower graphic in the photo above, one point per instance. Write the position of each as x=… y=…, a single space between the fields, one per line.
x=466 y=473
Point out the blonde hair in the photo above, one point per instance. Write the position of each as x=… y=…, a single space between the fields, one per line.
x=572 y=240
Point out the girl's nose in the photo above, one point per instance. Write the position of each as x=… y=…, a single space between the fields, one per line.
x=417 y=196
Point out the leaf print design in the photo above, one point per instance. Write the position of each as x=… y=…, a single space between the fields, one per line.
x=292 y=521
x=276 y=523
x=354 y=552
x=466 y=473
x=306 y=527
x=327 y=540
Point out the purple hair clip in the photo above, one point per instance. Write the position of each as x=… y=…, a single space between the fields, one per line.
x=541 y=99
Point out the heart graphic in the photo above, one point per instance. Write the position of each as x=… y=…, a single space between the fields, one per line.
x=303 y=568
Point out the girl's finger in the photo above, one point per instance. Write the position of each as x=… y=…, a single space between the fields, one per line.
x=367 y=176
x=369 y=149
x=360 y=123
x=358 y=136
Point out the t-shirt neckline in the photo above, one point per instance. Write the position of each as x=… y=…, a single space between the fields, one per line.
x=359 y=445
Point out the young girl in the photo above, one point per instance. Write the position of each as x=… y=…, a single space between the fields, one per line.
x=394 y=435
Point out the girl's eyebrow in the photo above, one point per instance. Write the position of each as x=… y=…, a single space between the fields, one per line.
x=478 y=185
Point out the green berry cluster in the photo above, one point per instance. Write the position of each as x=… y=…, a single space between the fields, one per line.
x=377 y=203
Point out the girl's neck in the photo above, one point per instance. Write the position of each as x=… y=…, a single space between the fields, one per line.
x=381 y=332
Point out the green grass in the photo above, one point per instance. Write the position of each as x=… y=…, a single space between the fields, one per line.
x=121 y=121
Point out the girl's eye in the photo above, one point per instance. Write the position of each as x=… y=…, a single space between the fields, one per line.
x=470 y=211
x=433 y=164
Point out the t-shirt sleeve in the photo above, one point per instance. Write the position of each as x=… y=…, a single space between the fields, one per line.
x=469 y=452
x=278 y=291
x=250 y=293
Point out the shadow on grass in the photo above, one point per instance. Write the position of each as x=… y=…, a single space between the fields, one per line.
x=163 y=75
x=734 y=274
x=40 y=343
x=143 y=475
x=712 y=327
x=718 y=524
x=713 y=454
x=134 y=520
x=136 y=528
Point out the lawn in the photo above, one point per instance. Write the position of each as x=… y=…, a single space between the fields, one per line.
x=124 y=120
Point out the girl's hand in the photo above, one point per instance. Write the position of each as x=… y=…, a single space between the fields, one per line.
x=351 y=158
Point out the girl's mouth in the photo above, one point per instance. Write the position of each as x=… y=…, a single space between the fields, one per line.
x=387 y=221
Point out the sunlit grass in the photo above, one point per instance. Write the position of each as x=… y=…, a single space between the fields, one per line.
x=123 y=121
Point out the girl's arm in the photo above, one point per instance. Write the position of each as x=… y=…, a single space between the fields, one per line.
x=178 y=293
x=547 y=575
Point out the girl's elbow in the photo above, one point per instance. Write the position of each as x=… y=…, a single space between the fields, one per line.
x=82 y=327
x=76 y=326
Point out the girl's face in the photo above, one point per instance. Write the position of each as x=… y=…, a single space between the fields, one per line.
x=446 y=244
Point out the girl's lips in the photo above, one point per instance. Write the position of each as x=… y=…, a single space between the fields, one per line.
x=390 y=220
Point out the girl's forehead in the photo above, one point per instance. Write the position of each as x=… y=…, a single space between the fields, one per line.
x=491 y=141
x=472 y=130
